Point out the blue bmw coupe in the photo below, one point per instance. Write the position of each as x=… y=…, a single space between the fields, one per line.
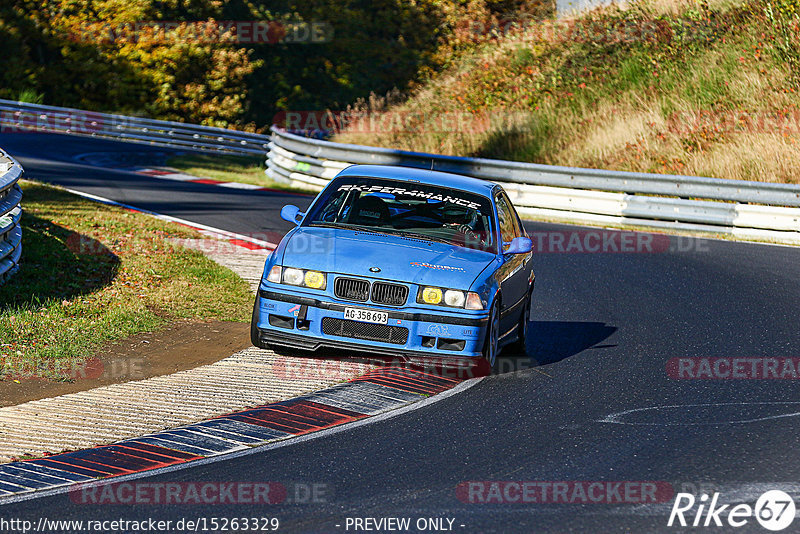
x=399 y=262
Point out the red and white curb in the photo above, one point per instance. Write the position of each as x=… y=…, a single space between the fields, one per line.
x=180 y=177
x=380 y=392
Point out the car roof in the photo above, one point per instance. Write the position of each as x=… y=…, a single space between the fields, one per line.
x=409 y=174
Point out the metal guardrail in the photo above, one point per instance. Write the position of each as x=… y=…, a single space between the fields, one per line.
x=747 y=210
x=10 y=213
x=23 y=116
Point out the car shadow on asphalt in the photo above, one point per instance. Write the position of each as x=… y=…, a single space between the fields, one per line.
x=548 y=342
x=552 y=341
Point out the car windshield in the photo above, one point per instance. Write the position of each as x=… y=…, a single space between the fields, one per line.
x=406 y=208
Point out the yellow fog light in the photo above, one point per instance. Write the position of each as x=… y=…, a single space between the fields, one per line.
x=315 y=280
x=432 y=295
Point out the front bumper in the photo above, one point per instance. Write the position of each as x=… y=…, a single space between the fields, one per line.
x=305 y=322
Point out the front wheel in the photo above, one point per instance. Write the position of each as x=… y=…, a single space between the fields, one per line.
x=520 y=344
x=492 y=339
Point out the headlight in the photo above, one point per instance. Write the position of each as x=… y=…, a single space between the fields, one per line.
x=297 y=277
x=431 y=295
x=454 y=298
x=449 y=297
x=292 y=276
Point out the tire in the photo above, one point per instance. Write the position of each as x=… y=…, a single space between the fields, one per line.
x=520 y=345
x=490 y=346
x=254 y=336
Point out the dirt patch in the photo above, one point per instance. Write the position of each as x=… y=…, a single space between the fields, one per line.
x=183 y=345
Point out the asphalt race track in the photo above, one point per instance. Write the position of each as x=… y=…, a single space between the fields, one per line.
x=596 y=403
x=234 y=210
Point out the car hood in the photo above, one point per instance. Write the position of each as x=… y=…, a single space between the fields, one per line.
x=401 y=259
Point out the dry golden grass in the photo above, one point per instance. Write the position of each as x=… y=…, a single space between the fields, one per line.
x=758 y=157
x=711 y=113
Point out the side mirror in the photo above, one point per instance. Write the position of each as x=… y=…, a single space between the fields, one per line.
x=519 y=245
x=290 y=213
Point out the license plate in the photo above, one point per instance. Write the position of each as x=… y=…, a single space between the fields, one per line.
x=366 y=316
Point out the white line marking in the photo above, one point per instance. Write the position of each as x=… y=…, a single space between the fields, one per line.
x=238 y=185
x=171 y=176
x=212 y=232
x=614 y=417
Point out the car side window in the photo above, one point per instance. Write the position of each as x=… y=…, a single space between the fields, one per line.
x=519 y=231
x=508 y=223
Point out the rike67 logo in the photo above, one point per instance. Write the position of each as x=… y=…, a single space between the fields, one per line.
x=774 y=510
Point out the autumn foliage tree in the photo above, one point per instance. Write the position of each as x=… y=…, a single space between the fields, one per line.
x=100 y=55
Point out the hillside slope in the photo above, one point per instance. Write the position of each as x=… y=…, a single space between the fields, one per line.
x=686 y=88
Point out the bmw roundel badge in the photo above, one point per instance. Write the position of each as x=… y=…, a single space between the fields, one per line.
x=374 y=269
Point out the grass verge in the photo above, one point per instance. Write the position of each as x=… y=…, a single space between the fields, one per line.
x=93 y=273
x=242 y=169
